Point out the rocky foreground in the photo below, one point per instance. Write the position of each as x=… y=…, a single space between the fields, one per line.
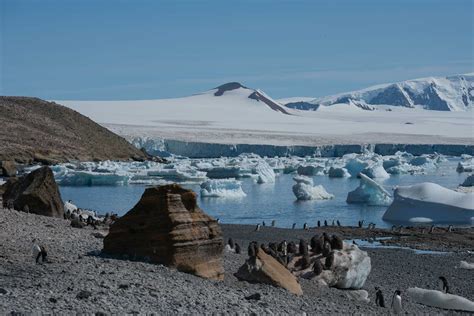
x=79 y=279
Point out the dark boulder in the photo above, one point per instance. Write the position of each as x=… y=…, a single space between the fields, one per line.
x=7 y=168
x=36 y=192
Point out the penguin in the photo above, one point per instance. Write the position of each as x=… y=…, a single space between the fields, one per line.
x=432 y=228
x=273 y=246
x=316 y=244
x=361 y=223
x=252 y=249
x=306 y=261
x=303 y=247
x=231 y=243
x=291 y=248
x=326 y=238
x=325 y=223
x=445 y=286
x=319 y=223
x=294 y=225
x=237 y=249
x=326 y=249
x=263 y=224
x=333 y=223
x=393 y=228
x=397 y=302
x=305 y=226
x=379 y=300
x=282 y=247
x=273 y=223
x=329 y=261
x=218 y=220
x=257 y=228
x=338 y=223
x=317 y=267
x=354 y=243
x=336 y=242
x=450 y=228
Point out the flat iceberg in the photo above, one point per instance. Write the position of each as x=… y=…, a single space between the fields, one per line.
x=89 y=178
x=304 y=190
x=265 y=173
x=228 y=188
x=430 y=201
x=369 y=192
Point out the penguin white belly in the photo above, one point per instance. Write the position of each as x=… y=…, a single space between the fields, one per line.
x=397 y=304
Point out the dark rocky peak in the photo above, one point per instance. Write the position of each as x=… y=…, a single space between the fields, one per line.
x=228 y=87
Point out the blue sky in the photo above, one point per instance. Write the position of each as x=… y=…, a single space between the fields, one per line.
x=66 y=49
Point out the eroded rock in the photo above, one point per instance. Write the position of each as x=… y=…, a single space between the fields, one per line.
x=168 y=227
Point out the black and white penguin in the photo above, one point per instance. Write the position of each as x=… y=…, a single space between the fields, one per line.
x=257 y=228
x=379 y=300
x=303 y=247
x=338 y=223
x=444 y=284
x=326 y=249
x=237 y=249
x=294 y=225
x=397 y=302
x=231 y=243
x=319 y=223
x=329 y=261
x=336 y=242
x=273 y=223
x=316 y=244
x=263 y=223
x=252 y=249
x=305 y=226
x=325 y=223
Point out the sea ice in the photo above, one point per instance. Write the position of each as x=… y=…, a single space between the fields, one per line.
x=467 y=165
x=355 y=166
x=431 y=201
x=304 y=190
x=222 y=188
x=375 y=171
x=310 y=170
x=369 y=192
x=338 y=172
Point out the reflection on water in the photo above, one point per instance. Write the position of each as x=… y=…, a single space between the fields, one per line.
x=267 y=202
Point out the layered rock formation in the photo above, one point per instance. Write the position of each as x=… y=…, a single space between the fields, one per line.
x=36 y=193
x=168 y=227
x=263 y=268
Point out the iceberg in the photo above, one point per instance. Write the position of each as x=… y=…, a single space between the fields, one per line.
x=338 y=172
x=310 y=170
x=355 y=166
x=469 y=182
x=264 y=172
x=228 y=188
x=430 y=201
x=179 y=174
x=224 y=172
x=439 y=299
x=466 y=165
x=375 y=171
x=304 y=190
x=369 y=192
x=89 y=178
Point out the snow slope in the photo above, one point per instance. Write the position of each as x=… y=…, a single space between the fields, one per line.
x=234 y=114
x=453 y=93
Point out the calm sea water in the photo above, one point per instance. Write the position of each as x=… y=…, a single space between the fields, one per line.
x=267 y=202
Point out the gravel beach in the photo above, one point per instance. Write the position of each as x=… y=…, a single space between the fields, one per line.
x=79 y=279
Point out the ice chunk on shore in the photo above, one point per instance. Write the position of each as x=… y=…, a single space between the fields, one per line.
x=68 y=206
x=338 y=172
x=466 y=265
x=228 y=188
x=439 y=299
x=304 y=190
x=431 y=201
x=369 y=192
x=264 y=172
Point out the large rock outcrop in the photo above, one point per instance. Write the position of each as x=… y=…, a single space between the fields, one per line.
x=36 y=192
x=263 y=268
x=168 y=227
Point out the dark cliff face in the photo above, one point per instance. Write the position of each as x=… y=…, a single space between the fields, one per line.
x=32 y=129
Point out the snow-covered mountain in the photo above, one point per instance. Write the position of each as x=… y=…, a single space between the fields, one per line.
x=453 y=93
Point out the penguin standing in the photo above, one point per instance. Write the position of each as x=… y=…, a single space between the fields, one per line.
x=305 y=226
x=237 y=249
x=379 y=300
x=257 y=228
x=444 y=286
x=273 y=223
x=325 y=223
x=397 y=302
x=319 y=223
x=294 y=225
x=338 y=223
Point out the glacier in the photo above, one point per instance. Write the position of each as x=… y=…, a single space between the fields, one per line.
x=304 y=189
x=369 y=192
x=227 y=188
x=430 y=202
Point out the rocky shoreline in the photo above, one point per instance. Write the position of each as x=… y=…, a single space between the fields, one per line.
x=80 y=279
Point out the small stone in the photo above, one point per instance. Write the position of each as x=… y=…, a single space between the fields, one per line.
x=123 y=286
x=83 y=294
x=53 y=300
x=3 y=291
x=255 y=296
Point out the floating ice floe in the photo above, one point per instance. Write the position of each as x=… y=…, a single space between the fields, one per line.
x=304 y=190
x=439 y=299
x=179 y=173
x=466 y=165
x=375 y=171
x=369 y=192
x=264 y=172
x=228 y=188
x=89 y=178
x=430 y=202
x=310 y=170
x=338 y=172
x=355 y=166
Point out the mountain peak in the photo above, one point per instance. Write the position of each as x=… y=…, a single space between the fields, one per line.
x=228 y=87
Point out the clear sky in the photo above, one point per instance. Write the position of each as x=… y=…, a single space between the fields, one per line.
x=67 y=49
